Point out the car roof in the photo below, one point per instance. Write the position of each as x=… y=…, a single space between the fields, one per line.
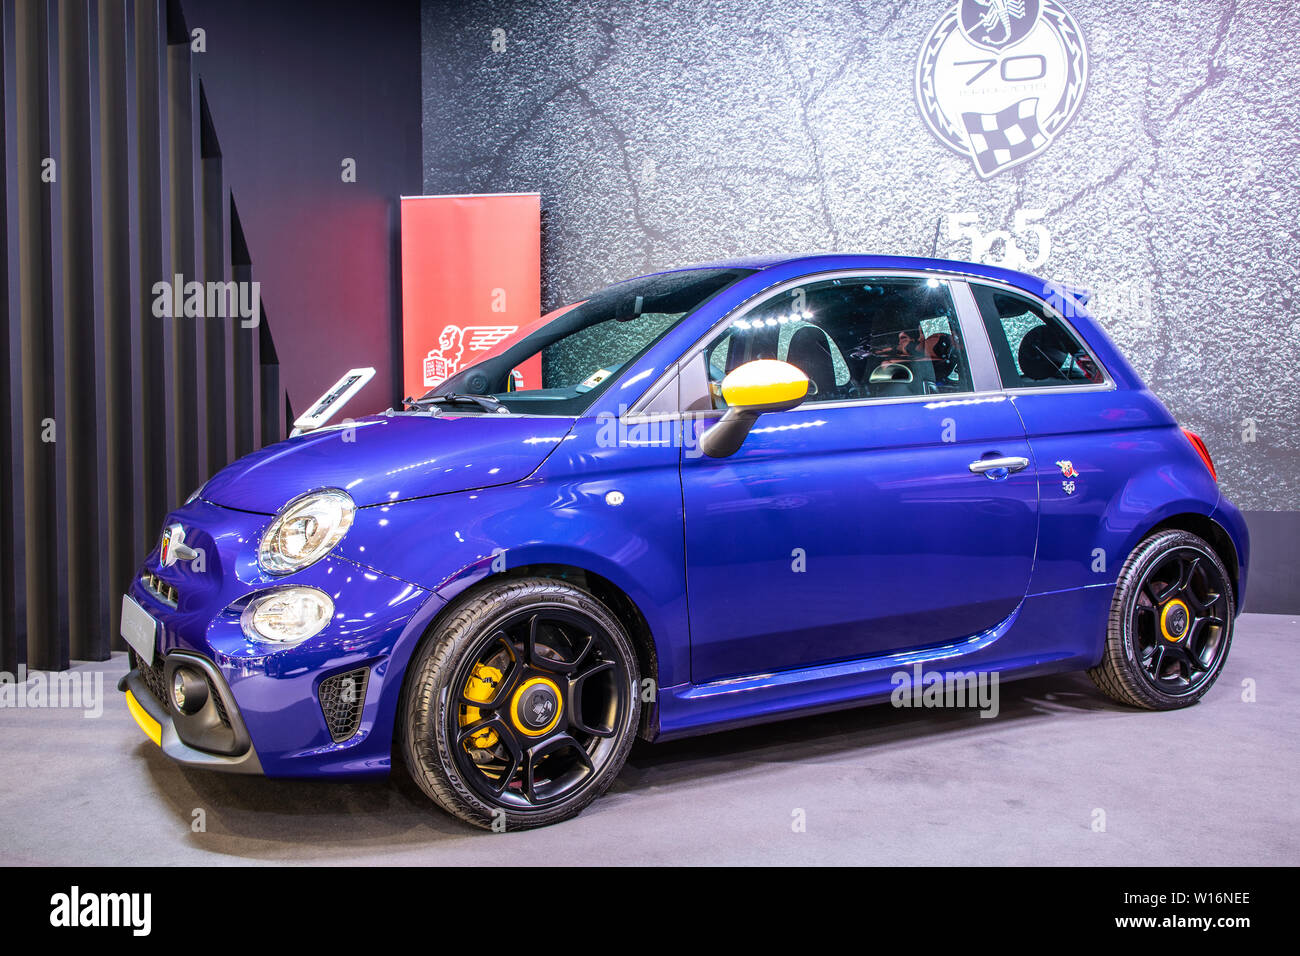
x=823 y=261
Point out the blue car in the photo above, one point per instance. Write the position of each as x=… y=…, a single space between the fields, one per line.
x=740 y=492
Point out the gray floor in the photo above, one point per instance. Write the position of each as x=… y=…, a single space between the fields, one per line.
x=1214 y=784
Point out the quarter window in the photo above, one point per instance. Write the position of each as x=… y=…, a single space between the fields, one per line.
x=855 y=337
x=1033 y=347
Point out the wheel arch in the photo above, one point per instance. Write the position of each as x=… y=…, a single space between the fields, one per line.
x=1214 y=534
x=604 y=590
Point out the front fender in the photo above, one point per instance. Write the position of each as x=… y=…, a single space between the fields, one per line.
x=563 y=515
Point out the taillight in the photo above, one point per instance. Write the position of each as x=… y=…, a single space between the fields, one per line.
x=1201 y=450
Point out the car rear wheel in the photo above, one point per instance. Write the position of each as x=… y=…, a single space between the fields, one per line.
x=1170 y=624
x=521 y=709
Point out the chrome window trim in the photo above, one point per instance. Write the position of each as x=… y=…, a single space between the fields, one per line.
x=1106 y=386
x=953 y=398
x=635 y=413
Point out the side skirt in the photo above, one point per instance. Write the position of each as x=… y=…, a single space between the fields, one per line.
x=1047 y=633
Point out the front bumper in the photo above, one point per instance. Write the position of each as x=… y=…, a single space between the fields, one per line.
x=218 y=718
x=320 y=708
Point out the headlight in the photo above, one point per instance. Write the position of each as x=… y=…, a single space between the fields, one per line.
x=287 y=615
x=305 y=530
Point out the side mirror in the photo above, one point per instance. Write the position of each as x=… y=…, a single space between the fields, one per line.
x=764 y=385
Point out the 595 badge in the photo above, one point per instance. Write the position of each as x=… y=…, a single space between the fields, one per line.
x=1069 y=475
x=997 y=80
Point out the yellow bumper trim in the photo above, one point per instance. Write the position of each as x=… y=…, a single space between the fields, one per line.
x=152 y=729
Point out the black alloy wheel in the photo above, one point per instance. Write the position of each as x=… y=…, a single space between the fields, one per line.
x=522 y=709
x=1170 y=625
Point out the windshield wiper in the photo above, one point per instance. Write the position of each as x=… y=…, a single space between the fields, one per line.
x=485 y=402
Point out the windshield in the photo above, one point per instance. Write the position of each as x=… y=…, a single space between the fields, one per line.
x=583 y=349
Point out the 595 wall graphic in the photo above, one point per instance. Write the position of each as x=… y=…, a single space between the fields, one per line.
x=997 y=80
x=1026 y=246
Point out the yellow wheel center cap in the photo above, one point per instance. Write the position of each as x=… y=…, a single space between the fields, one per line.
x=1174 y=618
x=535 y=707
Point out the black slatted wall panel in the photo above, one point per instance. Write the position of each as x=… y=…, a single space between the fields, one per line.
x=115 y=414
x=13 y=577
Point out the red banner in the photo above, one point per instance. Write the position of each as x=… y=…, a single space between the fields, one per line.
x=471 y=280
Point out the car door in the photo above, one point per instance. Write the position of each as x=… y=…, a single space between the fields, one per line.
x=865 y=521
x=1087 y=438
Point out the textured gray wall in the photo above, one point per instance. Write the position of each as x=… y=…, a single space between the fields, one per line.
x=665 y=133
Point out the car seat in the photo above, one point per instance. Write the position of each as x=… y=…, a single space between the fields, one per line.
x=749 y=346
x=1044 y=353
x=810 y=350
x=892 y=378
x=942 y=353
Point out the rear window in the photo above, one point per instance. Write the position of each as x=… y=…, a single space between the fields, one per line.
x=1033 y=348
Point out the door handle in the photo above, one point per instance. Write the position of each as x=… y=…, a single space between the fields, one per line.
x=998 y=467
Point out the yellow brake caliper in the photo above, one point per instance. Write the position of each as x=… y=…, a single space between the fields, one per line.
x=481 y=686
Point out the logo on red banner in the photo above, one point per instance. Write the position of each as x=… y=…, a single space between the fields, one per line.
x=454 y=341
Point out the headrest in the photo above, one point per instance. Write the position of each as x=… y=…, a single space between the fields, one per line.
x=1043 y=353
x=894 y=372
x=939 y=349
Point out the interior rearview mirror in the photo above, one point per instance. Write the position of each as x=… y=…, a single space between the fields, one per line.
x=625 y=310
x=764 y=385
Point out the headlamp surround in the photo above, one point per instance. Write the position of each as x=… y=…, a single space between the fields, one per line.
x=305 y=530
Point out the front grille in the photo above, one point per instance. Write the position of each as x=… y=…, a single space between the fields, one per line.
x=153 y=679
x=217 y=702
x=160 y=589
x=341 y=699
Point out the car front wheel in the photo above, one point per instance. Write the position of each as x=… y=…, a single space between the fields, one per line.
x=1170 y=624
x=522 y=707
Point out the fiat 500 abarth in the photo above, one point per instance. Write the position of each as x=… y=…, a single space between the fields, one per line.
x=738 y=492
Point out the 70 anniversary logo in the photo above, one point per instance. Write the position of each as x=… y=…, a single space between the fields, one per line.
x=997 y=80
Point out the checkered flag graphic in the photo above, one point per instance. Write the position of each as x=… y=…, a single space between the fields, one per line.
x=1001 y=138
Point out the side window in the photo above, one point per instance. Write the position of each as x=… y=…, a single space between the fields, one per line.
x=856 y=337
x=1033 y=347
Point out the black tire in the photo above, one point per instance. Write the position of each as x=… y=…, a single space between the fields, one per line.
x=525 y=632
x=1159 y=656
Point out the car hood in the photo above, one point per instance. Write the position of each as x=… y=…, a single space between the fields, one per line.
x=389 y=458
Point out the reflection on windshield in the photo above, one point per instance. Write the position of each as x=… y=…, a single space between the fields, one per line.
x=582 y=350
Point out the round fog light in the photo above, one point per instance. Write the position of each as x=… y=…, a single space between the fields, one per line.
x=189 y=691
x=287 y=615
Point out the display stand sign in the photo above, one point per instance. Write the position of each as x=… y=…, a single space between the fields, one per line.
x=471 y=281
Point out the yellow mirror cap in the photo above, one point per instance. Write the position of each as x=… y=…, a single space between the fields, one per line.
x=764 y=382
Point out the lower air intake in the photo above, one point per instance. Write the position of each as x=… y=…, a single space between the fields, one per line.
x=341 y=699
